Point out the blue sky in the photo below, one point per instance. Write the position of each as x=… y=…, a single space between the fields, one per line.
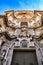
x=20 y=5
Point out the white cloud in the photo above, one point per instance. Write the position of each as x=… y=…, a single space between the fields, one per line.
x=23 y=5
x=41 y=5
x=27 y=6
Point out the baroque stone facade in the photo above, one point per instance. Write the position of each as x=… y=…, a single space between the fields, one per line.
x=21 y=30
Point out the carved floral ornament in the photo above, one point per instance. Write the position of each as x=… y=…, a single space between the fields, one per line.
x=13 y=20
x=21 y=30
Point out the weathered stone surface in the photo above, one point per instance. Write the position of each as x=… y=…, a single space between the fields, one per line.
x=21 y=30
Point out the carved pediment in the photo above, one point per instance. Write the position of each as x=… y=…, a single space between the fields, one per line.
x=15 y=18
x=27 y=14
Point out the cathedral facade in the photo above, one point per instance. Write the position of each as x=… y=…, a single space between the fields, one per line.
x=21 y=38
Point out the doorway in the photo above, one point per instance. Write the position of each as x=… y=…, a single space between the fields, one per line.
x=24 y=57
